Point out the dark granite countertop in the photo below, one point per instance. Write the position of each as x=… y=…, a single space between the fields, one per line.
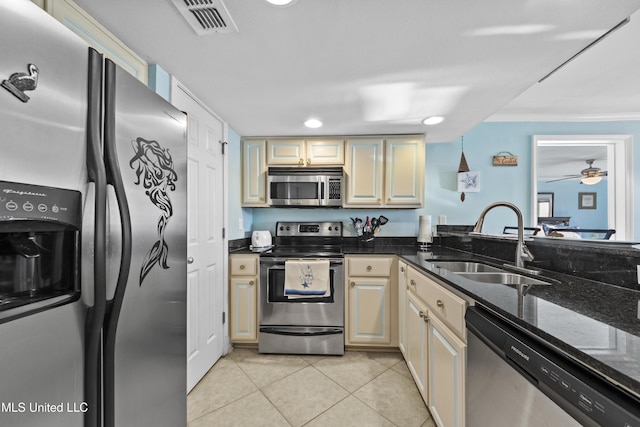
x=595 y=323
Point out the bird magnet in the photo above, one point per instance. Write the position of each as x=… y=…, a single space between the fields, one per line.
x=19 y=83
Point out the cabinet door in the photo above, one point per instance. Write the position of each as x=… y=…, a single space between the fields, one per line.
x=369 y=311
x=254 y=173
x=404 y=172
x=416 y=343
x=447 y=361
x=286 y=152
x=243 y=312
x=91 y=31
x=402 y=307
x=324 y=152
x=364 y=172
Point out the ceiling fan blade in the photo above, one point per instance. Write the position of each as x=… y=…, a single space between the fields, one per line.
x=566 y=177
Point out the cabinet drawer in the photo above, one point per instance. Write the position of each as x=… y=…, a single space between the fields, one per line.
x=369 y=266
x=448 y=307
x=243 y=265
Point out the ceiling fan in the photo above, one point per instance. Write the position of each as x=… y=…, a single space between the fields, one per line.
x=590 y=175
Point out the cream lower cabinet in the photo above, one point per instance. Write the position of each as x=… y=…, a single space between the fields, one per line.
x=402 y=307
x=436 y=347
x=446 y=374
x=416 y=353
x=371 y=301
x=243 y=298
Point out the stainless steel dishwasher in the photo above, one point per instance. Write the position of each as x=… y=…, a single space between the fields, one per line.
x=515 y=380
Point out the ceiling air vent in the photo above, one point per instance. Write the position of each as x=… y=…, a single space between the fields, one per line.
x=207 y=16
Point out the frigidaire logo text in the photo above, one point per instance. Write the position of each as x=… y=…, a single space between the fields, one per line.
x=520 y=353
x=24 y=193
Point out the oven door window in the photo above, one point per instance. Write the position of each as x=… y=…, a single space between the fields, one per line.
x=294 y=191
x=275 y=288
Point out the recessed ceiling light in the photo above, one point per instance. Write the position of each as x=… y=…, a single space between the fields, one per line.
x=281 y=2
x=433 y=120
x=313 y=123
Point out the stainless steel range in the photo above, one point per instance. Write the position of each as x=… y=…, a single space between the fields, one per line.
x=302 y=290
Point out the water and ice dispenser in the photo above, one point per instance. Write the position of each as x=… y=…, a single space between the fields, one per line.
x=39 y=243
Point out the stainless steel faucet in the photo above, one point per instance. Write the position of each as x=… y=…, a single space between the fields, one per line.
x=522 y=252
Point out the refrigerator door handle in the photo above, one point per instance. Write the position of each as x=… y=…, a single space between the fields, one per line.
x=114 y=178
x=97 y=175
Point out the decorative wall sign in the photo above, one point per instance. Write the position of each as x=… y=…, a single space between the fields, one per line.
x=19 y=83
x=587 y=200
x=154 y=169
x=505 y=158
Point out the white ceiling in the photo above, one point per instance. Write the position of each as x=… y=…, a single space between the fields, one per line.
x=381 y=66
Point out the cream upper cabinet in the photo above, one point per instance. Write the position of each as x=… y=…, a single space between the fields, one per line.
x=81 y=23
x=371 y=301
x=325 y=151
x=254 y=173
x=404 y=172
x=243 y=298
x=385 y=172
x=305 y=152
x=364 y=172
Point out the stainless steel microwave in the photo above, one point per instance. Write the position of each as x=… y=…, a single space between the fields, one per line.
x=305 y=187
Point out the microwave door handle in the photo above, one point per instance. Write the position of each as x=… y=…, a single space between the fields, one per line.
x=322 y=190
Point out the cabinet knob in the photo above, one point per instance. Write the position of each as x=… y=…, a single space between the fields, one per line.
x=241 y=266
x=402 y=269
x=413 y=282
x=369 y=268
x=251 y=283
x=353 y=284
x=440 y=304
x=301 y=161
x=421 y=314
x=426 y=319
x=308 y=161
x=190 y=260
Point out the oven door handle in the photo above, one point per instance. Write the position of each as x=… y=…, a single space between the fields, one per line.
x=300 y=333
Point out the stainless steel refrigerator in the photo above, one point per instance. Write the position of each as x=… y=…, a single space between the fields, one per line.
x=92 y=236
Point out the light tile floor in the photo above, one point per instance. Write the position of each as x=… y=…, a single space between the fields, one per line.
x=358 y=389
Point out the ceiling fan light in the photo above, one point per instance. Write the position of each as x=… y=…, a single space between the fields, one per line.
x=590 y=180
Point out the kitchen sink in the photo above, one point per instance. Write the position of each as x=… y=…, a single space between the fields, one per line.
x=466 y=267
x=503 y=278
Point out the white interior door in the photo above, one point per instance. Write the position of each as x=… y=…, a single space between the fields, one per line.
x=206 y=245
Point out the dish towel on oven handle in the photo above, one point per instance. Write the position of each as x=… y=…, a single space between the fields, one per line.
x=306 y=278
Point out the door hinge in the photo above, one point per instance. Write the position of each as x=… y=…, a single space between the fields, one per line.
x=224 y=317
x=223 y=144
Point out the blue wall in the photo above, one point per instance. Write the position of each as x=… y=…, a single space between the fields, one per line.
x=505 y=183
x=566 y=193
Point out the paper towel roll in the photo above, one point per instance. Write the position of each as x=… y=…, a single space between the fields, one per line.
x=424 y=229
